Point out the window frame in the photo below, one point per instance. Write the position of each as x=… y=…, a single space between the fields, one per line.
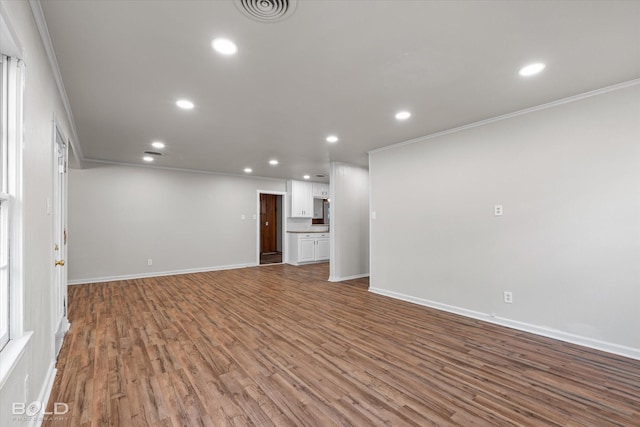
x=5 y=283
x=5 y=209
x=11 y=198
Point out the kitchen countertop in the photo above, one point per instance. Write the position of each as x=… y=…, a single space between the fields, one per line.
x=309 y=231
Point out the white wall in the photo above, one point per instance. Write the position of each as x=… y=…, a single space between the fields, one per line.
x=121 y=216
x=349 y=222
x=31 y=378
x=568 y=245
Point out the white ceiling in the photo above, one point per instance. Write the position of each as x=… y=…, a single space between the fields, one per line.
x=333 y=67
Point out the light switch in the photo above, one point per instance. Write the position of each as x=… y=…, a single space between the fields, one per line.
x=373 y=215
x=243 y=216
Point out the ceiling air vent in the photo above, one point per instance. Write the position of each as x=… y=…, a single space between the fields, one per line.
x=266 y=10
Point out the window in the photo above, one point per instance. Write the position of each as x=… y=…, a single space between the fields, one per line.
x=13 y=338
x=4 y=206
x=10 y=242
x=4 y=272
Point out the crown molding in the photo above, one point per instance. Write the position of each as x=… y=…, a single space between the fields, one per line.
x=41 y=23
x=88 y=161
x=510 y=115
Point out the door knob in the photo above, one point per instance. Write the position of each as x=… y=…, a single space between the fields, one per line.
x=60 y=263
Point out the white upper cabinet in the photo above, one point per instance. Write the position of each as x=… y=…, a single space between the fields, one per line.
x=301 y=196
x=320 y=190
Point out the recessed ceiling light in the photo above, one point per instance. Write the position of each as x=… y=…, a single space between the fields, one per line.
x=332 y=139
x=147 y=159
x=224 y=46
x=531 y=69
x=157 y=144
x=403 y=115
x=185 y=104
x=307 y=177
x=273 y=162
x=248 y=170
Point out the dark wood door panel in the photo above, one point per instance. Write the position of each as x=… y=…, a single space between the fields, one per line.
x=268 y=223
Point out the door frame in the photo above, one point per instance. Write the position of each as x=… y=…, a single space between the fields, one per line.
x=58 y=209
x=282 y=218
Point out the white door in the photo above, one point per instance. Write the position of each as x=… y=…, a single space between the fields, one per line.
x=306 y=250
x=322 y=249
x=60 y=322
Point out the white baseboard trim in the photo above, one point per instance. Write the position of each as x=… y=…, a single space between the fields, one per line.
x=633 y=353
x=44 y=394
x=297 y=264
x=342 y=279
x=63 y=327
x=157 y=274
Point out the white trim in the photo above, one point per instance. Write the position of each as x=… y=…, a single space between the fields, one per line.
x=334 y=262
x=633 y=353
x=59 y=335
x=282 y=219
x=16 y=189
x=41 y=23
x=370 y=220
x=298 y=264
x=60 y=325
x=15 y=186
x=510 y=115
x=341 y=279
x=169 y=168
x=44 y=394
x=11 y=355
x=157 y=274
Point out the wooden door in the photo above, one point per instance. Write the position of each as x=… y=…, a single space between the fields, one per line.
x=268 y=223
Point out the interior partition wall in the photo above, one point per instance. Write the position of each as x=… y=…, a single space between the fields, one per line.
x=567 y=244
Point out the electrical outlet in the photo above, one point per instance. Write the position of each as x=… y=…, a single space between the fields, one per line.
x=497 y=210
x=508 y=297
x=149 y=261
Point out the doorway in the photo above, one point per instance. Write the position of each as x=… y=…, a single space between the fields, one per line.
x=270 y=228
x=60 y=155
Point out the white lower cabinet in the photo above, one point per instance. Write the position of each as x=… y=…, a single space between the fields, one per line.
x=306 y=250
x=308 y=247
x=322 y=249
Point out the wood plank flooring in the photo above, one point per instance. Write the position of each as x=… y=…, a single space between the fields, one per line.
x=279 y=346
x=271 y=258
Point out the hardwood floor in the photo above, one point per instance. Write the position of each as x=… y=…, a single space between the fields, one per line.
x=271 y=258
x=278 y=345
